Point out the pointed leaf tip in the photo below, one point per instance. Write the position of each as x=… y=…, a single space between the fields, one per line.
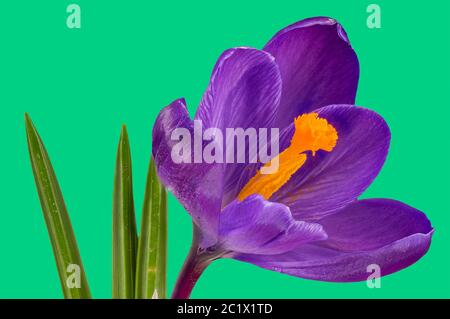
x=152 y=250
x=65 y=249
x=124 y=223
x=124 y=132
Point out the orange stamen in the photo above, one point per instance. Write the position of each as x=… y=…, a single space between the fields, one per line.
x=312 y=133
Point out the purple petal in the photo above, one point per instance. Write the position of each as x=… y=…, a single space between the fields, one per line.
x=346 y=255
x=196 y=185
x=260 y=227
x=330 y=180
x=244 y=92
x=318 y=67
x=372 y=223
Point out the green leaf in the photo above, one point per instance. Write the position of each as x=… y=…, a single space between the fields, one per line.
x=124 y=224
x=152 y=250
x=68 y=261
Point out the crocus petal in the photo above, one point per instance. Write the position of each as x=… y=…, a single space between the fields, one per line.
x=331 y=180
x=379 y=232
x=196 y=185
x=317 y=64
x=258 y=226
x=243 y=93
x=372 y=223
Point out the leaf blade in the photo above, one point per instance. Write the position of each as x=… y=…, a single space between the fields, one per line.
x=152 y=249
x=124 y=223
x=161 y=263
x=62 y=237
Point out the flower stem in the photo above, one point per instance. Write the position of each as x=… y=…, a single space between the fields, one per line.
x=194 y=265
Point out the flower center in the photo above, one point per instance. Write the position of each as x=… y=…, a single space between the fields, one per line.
x=312 y=133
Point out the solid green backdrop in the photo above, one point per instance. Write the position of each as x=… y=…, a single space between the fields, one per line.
x=131 y=58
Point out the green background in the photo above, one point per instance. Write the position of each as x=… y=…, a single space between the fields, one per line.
x=131 y=58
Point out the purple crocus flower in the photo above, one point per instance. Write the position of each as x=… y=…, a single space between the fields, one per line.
x=306 y=220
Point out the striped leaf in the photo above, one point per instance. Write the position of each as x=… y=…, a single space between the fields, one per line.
x=152 y=249
x=124 y=224
x=68 y=261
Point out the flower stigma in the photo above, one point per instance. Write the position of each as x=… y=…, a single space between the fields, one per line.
x=312 y=133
